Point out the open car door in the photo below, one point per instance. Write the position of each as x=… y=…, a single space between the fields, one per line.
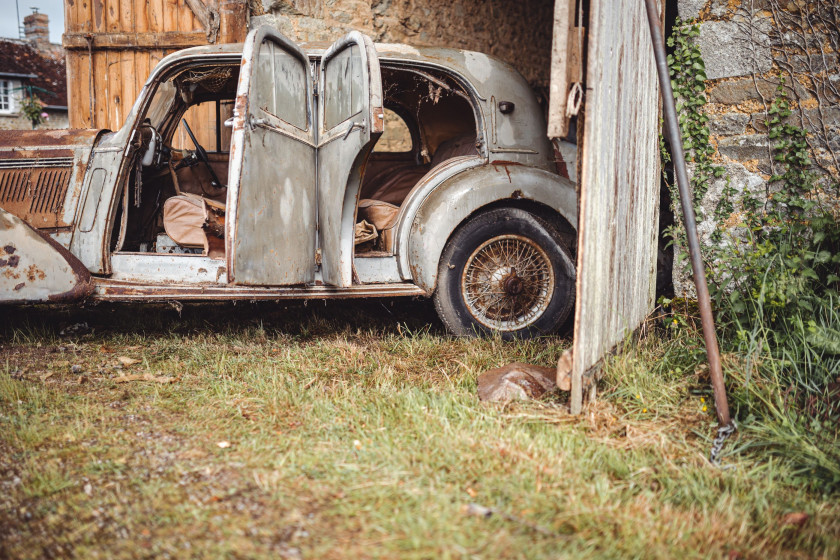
x=350 y=120
x=271 y=220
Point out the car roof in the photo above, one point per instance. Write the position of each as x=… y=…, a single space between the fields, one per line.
x=478 y=68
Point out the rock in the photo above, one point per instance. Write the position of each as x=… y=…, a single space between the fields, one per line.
x=740 y=90
x=723 y=46
x=76 y=329
x=516 y=381
x=690 y=9
x=728 y=124
x=745 y=147
x=75 y=368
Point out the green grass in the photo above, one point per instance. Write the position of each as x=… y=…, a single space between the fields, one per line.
x=355 y=432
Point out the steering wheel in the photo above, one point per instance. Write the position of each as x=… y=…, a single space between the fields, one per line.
x=202 y=156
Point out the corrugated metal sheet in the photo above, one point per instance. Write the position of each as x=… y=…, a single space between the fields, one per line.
x=619 y=186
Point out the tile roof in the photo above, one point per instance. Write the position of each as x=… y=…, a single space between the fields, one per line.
x=22 y=57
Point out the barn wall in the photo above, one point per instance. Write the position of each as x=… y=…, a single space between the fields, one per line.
x=516 y=32
x=747 y=45
x=112 y=46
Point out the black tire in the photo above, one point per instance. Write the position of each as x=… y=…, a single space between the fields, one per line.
x=479 y=291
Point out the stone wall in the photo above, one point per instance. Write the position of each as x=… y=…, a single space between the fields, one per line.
x=516 y=32
x=747 y=47
x=18 y=121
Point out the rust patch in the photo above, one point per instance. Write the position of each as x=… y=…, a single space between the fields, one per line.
x=10 y=249
x=504 y=163
x=517 y=194
x=20 y=139
x=11 y=262
x=20 y=286
x=34 y=273
x=560 y=163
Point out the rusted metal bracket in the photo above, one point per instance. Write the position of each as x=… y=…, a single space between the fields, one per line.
x=703 y=299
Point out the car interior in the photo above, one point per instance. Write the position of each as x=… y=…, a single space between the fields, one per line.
x=173 y=198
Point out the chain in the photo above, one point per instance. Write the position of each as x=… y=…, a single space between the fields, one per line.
x=717 y=445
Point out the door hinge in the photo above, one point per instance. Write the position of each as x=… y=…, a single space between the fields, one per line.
x=318 y=257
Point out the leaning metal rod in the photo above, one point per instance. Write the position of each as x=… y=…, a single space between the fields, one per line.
x=703 y=300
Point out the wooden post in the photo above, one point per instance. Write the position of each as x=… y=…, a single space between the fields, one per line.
x=233 y=25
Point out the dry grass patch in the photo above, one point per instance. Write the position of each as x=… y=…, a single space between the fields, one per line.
x=355 y=432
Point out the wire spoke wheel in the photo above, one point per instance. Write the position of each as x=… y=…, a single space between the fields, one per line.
x=507 y=283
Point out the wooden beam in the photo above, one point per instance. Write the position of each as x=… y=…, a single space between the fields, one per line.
x=138 y=41
x=564 y=14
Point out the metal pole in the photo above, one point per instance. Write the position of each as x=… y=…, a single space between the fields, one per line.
x=703 y=300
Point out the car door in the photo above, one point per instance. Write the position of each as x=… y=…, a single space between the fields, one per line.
x=271 y=201
x=350 y=119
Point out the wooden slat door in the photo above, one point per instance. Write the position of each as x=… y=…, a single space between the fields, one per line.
x=112 y=46
x=619 y=195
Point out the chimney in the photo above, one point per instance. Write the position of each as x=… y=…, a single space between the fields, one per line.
x=36 y=27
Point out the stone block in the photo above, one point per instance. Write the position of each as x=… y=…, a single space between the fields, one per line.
x=737 y=177
x=728 y=124
x=811 y=120
x=745 y=147
x=725 y=50
x=815 y=63
x=690 y=9
x=740 y=90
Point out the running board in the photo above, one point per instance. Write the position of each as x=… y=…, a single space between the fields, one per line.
x=114 y=290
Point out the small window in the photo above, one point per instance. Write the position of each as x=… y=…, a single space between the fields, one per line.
x=280 y=87
x=343 y=87
x=207 y=123
x=7 y=96
x=397 y=136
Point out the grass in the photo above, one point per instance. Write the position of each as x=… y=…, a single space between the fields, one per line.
x=353 y=430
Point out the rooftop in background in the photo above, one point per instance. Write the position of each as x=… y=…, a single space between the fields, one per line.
x=36 y=61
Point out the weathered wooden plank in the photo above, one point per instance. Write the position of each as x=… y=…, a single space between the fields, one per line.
x=170 y=15
x=147 y=40
x=141 y=15
x=619 y=211
x=156 y=10
x=127 y=16
x=558 y=124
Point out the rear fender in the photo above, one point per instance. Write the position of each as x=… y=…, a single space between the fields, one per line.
x=36 y=268
x=438 y=209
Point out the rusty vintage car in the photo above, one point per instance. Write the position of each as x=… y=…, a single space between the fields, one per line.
x=297 y=192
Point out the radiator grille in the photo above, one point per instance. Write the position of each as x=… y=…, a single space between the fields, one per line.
x=35 y=194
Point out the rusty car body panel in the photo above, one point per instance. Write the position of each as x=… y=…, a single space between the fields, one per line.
x=69 y=199
x=34 y=267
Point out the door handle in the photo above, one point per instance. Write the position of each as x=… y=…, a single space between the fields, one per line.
x=256 y=122
x=360 y=125
x=229 y=123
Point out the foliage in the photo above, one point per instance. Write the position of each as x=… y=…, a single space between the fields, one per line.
x=774 y=283
x=355 y=432
x=31 y=105
x=688 y=80
x=33 y=109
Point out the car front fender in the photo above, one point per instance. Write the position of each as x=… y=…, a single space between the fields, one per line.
x=34 y=267
x=431 y=219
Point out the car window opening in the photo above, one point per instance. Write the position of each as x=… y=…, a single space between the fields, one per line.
x=429 y=119
x=173 y=199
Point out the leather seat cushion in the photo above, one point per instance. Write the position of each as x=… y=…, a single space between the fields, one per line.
x=383 y=216
x=183 y=217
